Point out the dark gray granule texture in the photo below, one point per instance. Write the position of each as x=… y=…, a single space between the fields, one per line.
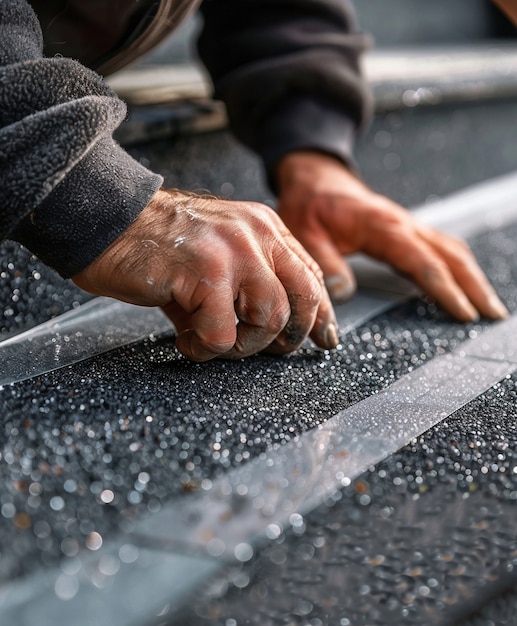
x=183 y=422
x=422 y=538
x=86 y=449
x=30 y=292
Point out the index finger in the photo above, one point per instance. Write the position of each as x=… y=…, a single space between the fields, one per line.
x=466 y=271
x=312 y=312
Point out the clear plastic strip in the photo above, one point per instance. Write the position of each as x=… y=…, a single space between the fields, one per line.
x=177 y=550
x=100 y=325
x=299 y=475
x=103 y=324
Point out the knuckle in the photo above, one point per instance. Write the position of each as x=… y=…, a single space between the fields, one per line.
x=265 y=220
x=311 y=291
x=314 y=269
x=161 y=288
x=278 y=319
x=214 y=346
x=433 y=269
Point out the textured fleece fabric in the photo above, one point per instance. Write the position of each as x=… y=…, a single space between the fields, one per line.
x=67 y=189
x=287 y=70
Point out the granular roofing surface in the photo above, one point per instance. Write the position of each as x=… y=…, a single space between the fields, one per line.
x=424 y=537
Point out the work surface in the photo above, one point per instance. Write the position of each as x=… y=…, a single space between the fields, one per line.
x=139 y=488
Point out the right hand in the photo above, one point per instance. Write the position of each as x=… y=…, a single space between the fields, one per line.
x=230 y=276
x=333 y=214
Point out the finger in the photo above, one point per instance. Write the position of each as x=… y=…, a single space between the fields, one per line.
x=339 y=278
x=316 y=238
x=324 y=331
x=180 y=318
x=417 y=259
x=263 y=311
x=311 y=309
x=466 y=272
x=210 y=330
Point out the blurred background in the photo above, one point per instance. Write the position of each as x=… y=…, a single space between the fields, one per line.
x=444 y=76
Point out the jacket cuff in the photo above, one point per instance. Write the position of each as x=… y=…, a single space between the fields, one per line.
x=97 y=201
x=301 y=123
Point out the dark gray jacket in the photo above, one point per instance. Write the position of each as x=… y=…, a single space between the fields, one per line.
x=286 y=69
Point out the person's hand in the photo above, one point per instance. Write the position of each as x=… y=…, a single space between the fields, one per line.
x=332 y=213
x=229 y=275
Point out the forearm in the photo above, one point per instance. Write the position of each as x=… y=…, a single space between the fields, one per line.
x=65 y=184
x=289 y=73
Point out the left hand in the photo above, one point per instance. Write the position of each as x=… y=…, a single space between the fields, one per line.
x=332 y=213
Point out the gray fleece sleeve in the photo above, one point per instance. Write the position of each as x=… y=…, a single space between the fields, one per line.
x=289 y=73
x=67 y=189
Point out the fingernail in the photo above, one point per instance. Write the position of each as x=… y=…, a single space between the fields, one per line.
x=469 y=312
x=340 y=288
x=496 y=308
x=331 y=336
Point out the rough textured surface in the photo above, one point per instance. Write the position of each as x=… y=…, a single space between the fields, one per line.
x=84 y=451
x=420 y=538
x=31 y=293
x=131 y=447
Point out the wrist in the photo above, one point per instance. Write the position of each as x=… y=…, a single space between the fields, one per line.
x=315 y=170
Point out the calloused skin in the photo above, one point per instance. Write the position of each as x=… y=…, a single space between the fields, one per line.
x=208 y=263
x=235 y=279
